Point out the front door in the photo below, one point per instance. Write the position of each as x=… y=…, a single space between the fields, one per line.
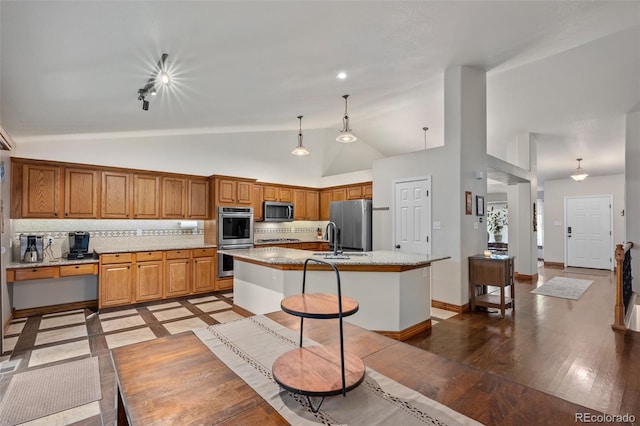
x=589 y=232
x=412 y=216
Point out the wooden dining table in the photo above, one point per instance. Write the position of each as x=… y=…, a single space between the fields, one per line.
x=178 y=380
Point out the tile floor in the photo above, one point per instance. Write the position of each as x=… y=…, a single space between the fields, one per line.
x=46 y=340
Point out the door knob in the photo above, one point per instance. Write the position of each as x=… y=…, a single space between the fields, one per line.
x=397 y=245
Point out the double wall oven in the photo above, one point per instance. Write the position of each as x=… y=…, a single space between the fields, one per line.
x=235 y=231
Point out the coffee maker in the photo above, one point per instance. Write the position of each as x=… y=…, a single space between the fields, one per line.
x=78 y=245
x=31 y=248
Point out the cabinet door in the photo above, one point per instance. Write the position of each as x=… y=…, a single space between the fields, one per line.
x=339 y=194
x=299 y=204
x=146 y=196
x=174 y=198
x=244 y=192
x=226 y=191
x=203 y=274
x=198 y=199
x=176 y=278
x=285 y=195
x=313 y=205
x=354 y=192
x=270 y=193
x=116 y=195
x=148 y=281
x=40 y=191
x=325 y=204
x=80 y=193
x=367 y=191
x=115 y=284
x=258 y=197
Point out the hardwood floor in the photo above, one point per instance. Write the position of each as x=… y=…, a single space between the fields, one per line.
x=562 y=347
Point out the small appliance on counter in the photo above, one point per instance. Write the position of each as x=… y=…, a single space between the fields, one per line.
x=31 y=248
x=78 y=245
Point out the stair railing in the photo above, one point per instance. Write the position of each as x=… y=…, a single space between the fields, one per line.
x=623 y=285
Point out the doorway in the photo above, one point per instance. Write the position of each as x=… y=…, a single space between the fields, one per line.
x=589 y=232
x=412 y=215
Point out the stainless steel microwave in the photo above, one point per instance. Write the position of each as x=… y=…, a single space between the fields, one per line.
x=274 y=211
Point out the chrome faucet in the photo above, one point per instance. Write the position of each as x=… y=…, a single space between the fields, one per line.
x=333 y=236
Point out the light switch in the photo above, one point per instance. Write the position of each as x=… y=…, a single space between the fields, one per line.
x=436 y=225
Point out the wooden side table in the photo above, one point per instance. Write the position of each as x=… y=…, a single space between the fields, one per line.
x=495 y=270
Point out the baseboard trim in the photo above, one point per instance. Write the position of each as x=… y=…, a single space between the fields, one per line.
x=403 y=335
x=559 y=265
x=53 y=309
x=449 y=307
x=524 y=277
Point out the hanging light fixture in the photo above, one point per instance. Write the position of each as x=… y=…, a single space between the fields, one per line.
x=579 y=175
x=300 y=149
x=346 y=135
x=425 y=136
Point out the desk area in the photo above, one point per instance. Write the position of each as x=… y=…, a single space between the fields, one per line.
x=495 y=271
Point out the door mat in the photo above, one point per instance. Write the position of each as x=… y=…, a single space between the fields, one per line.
x=250 y=346
x=566 y=288
x=45 y=391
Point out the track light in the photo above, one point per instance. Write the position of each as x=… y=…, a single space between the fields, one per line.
x=160 y=76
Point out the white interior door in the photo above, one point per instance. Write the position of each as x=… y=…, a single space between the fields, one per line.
x=589 y=232
x=412 y=216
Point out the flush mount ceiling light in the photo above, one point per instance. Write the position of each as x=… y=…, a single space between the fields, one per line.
x=342 y=75
x=300 y=149
x=579 y=175
x=346 y=135
x=159 y=77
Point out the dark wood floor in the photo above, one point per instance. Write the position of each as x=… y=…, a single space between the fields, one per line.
x=561 y=347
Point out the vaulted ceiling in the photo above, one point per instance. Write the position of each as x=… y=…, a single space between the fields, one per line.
x=567 y=72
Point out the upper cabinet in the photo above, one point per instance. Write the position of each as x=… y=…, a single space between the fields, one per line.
x=233 y=191
x=146 y=196
x=258 y=197
x=278 y=193
x=40 y=192
x=81 y=192
x=198 y=199
x=116 y=195
x=343 y=193
x=174 y=198
x=306 y=204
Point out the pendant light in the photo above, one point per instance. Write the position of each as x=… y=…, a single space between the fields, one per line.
x=300 y=149
x=346 y=136
x=579 y=175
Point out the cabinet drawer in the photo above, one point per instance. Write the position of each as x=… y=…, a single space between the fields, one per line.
x=35 y=273
x=177 y=254
x=116 y=258
x=71 y=270
x=205 y=252
x=143 y=256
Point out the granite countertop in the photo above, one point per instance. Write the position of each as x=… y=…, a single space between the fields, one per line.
x=265 y=241
x=287 y=256
x=54 y=262
x=123 y=248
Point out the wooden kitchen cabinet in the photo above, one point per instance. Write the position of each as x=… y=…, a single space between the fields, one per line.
x=258 y=198
x=81 y=191
x=339 y=194
x=203 y=270
x=325 y=203
x=40 y=191
x=177 y=273
x=116 y=195
x=148 y=276
x=233 y=191
x=299 y=204
x=174 y=198
x=115 y=280
x=198 y=199
x=278 y=193
x=146 y=196
x=313 y=205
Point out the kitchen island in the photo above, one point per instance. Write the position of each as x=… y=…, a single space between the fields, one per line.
x=392 y=288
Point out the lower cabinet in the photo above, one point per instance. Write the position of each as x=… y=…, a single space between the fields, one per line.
x=204 y=270
x=116 y=280
x=148 y=276
x=177 y=274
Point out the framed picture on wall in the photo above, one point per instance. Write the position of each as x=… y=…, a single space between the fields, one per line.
x=468 y=204
x=479 y=205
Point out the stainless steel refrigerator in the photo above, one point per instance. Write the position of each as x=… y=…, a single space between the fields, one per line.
x=353 y=223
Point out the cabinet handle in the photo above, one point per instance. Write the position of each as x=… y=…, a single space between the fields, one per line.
x=77 y=267
x=66 y=213
x=34 y=270
x=128 y=267
x=117 y=255
x=56 y=214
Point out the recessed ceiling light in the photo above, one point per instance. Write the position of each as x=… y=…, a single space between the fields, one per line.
x=341 y=75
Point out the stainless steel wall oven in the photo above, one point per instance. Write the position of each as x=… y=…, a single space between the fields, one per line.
x=235 y=231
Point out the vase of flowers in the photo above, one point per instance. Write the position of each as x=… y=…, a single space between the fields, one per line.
x=496 y=220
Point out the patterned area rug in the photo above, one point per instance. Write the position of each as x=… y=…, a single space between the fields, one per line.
x=46 y=391
x=250 y=346
x=567 y=288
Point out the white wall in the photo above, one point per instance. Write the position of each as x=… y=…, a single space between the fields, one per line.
x=632 y=192
x=265 y=156
x=554 y=193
